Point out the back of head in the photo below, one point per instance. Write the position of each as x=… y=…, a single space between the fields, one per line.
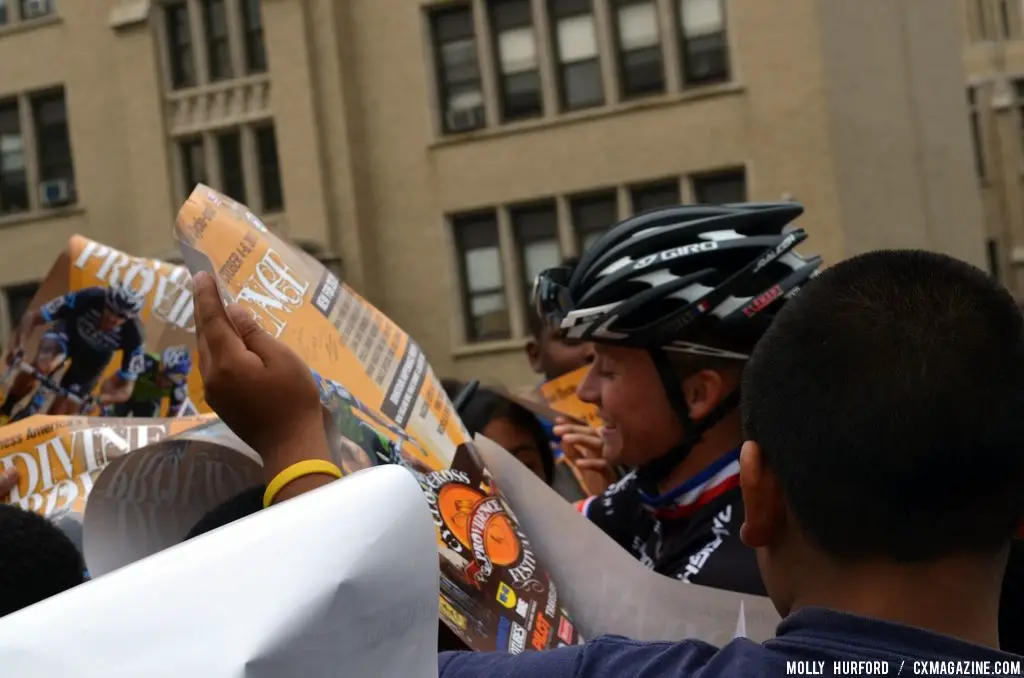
x=888 y=399
x=37 y=560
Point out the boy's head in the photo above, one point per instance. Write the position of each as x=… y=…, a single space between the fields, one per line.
x=549 y=354
x=883 y=413
x=37 y=560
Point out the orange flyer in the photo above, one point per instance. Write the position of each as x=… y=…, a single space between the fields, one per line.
x=560 y=395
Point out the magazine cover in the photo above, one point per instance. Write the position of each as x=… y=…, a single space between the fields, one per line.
x=495 y=594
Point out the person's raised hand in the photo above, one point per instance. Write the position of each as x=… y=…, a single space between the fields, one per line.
x=585 y=448
x=256 y=384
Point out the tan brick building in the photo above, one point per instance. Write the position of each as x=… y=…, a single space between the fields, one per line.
x=448 y=150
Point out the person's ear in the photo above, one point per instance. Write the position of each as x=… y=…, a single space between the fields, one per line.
x=533 y=355
x=764 y=506
x=703 y=391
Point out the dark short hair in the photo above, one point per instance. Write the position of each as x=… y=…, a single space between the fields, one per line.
x=533 y=320
x=243 y=504
x=485 y=406
x=37 y=560
x=888 y=397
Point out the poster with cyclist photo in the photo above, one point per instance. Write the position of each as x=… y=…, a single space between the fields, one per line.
x=390 y=408
x=106 y=334
x=59 y=459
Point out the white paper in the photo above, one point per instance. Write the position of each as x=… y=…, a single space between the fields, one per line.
x=148 y=501
x=607 y=590
x=296 y=591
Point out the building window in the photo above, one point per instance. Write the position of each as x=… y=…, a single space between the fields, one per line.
x=3 y=12
x=269 y=169
x=193 y=163
x=53 y=147
x=977 y=139
x=592 y=215
x=232 y=172
x=36 y=9
x=255 y=47
x=1007 y=18
x=536 y=234
x=705 y=48
x=179 y=46
x=485 y=308
x=653 y=196
x=720 y=188
x=516 y=46
x=579 y=64
x=19 y=298
x=458 y=71
x=13 y=179
x=640 y=66
x=218 y=42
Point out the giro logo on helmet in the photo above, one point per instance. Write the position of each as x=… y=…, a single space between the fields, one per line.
x=676 y=253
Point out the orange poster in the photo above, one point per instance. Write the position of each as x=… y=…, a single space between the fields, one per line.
x=560 y=395
x=389 y=408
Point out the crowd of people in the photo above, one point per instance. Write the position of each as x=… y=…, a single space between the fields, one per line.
x=847 y=441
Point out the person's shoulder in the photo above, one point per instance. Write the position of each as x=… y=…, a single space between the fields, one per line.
x=605 y=657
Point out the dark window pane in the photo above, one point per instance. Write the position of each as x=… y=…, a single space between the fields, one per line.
x=255 y=47
x=13 y=181
x=536 y=233
x=270 y=171
x=193 y=164
x=458 y=72
x=642 y=72
x=521 y=95
x=653 y=196
x=593 y=215
x=564 y=8
x=510 y=14
x=33 y=9
x=582 y=86
x=19 y=298
x=721 y=187
x=485 y=307
x=53 y=144
x=218 y=46
x=179 y=46
x=232 y=176
x=705 y=50
x=3 y=12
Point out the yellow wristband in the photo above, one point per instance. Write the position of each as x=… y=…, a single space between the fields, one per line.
x=310 y=467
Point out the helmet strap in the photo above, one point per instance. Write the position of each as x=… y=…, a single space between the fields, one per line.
x=654 y=471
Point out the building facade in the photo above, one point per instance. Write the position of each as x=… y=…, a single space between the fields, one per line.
x=448 y=150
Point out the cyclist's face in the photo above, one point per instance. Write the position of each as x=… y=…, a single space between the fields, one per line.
x=109 y=320
x=640 y=425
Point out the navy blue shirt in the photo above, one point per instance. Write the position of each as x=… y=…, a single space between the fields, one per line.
x=816 y=638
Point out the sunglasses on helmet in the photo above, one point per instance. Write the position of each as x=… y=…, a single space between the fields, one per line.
x=551 y=298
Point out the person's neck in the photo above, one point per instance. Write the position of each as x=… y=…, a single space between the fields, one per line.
x=956 y=597
x=722 y=439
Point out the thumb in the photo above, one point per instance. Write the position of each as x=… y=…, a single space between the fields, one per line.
x=8 y=481
x=249 y=331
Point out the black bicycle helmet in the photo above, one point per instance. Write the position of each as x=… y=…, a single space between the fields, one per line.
x=658 y=278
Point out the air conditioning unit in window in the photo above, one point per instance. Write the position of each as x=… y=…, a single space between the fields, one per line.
x=55 y=192
x=33 y=9
x=464 y=119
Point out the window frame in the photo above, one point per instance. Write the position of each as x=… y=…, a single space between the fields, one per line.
x=181 y=53
x=626 y=92
x=702 y=180
x=690 y=77
x=548 y=207
x=188 y=179
x=262 y=171
x=253 y=38
x=977 y=133
x=653 y=188
x=219 y=63
x=580 y=201
x=12 y=106
x=458 y=224
x=234 y=136
x=53 y=169
x=499 y=27
x=445 y=85
x=563 y=69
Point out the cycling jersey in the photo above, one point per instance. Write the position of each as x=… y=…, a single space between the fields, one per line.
x=88 y=347
x=691 y=534
x=149 y=392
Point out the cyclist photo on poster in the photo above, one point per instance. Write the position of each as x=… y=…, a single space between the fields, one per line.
x=86 y=328
x=163 y=375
